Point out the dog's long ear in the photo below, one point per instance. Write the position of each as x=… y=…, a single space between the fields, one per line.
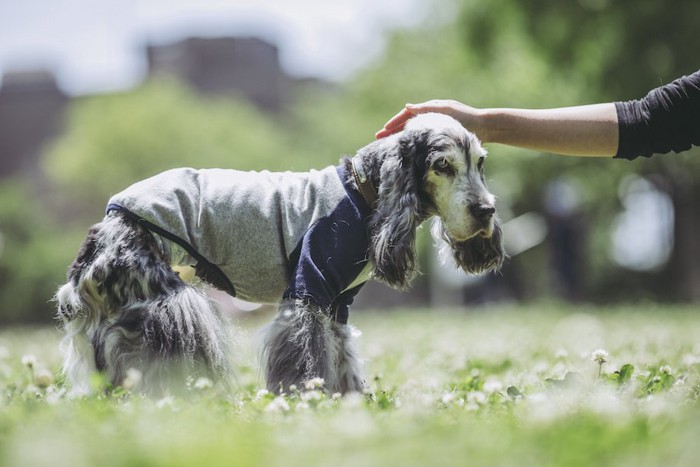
x=399 y=211
x=478 y=255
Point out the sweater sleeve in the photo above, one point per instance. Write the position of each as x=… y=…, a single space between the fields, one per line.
x=331 y=256
x=667 y=119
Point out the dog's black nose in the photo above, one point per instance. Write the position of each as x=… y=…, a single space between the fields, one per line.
x=482 y=211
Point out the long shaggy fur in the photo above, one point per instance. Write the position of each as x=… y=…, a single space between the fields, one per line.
x=124 y=308
x=394 y=223
x=302 y=343
x=478 y=255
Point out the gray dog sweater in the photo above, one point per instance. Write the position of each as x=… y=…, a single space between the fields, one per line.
x=273 y=236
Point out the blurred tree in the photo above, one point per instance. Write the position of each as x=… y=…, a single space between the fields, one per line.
x=114 y=140
x=34 y=253
x=623 y=49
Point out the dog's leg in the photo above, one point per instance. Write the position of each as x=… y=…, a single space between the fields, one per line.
x=79 y=358
x=303 y=343
x=81 y=309
x=124 y=308
x=185 y=336
x=348 y=363
x=299 y=346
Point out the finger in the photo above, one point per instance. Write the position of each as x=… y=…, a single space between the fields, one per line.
x=383 y=133
x=398 y=120
x=430 y=106
x=395 y=124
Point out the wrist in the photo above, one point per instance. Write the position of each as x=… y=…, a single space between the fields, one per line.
x=484 y=125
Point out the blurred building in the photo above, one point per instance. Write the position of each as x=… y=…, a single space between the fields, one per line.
x=32 y=105
x=31 y=108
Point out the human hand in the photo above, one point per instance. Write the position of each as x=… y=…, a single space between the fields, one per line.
x=468 y=116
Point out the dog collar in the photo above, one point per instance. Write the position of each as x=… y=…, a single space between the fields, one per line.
x=367 y=190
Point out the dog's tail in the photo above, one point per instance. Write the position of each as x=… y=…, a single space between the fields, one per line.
x=129 y=316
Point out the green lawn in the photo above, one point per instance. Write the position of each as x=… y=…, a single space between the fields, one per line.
x=493 y=386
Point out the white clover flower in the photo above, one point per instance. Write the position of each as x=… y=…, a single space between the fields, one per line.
x=476 y=397
x=471 y=407
x=29 y=361
x=167 y=402
x=599 y=356
x=203 y=383
x=680 y=382
x=336 y=395
x=278 y=404
x=313 y=383
x=665 y=370
x=691 y=359
x=605 y=401
x=261 y=393
x=293 y=388
x=133 y=378
x=353 y=401
x=492 y=386
x=313 y=395
x=54 y=396
x=43 y=379
x=447 y=398
x=540 y=368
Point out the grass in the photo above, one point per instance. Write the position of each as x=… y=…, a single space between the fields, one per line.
x=497 y=386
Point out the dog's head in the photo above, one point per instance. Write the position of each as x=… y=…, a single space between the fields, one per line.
x=434 y=167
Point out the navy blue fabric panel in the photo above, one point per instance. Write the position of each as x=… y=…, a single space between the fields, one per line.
x=340 y=310
x=332 y=253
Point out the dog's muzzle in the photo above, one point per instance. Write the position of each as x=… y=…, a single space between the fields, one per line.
x=483 y=214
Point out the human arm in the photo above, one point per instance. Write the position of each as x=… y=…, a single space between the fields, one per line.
x=666 y=119
x=590 y=130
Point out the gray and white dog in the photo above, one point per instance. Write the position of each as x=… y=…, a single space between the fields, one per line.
x=308 y=241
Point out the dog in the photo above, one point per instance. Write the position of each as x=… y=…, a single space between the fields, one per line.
x=307 y=241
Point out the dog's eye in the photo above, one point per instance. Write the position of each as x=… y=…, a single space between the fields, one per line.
x=441 y=165
x=480 y=164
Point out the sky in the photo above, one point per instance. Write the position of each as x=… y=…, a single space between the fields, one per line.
x=97 y=45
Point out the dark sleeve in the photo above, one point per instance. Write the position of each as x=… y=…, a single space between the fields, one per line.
x=341 y=307
x=667 y=119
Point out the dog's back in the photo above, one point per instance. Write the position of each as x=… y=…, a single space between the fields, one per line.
x=246 y=223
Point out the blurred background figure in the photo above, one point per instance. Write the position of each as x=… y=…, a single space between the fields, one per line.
x=562 y=204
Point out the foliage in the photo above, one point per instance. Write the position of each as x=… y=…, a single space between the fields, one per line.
x=121 y=138
x=34 y=253
x=446 y=388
